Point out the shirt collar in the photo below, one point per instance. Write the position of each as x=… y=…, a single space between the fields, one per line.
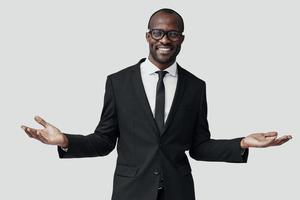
x=150 y=68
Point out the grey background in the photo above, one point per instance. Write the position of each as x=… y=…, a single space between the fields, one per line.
x=54 y=59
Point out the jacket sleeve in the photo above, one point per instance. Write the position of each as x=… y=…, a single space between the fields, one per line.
x=103 y=140
x=206 y=149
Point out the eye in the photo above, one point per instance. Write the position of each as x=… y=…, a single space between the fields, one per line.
x=157 y=33
x=173 y=34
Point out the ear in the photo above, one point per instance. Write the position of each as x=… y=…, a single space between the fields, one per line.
x=182 y=38
x=148 y=36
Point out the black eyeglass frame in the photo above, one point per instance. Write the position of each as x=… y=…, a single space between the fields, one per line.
x=166 y=33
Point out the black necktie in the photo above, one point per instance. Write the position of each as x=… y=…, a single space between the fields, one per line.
x=160 y=101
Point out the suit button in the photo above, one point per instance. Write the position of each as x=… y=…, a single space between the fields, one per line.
x=156 y=172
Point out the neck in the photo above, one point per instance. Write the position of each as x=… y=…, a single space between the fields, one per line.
x=161 y=66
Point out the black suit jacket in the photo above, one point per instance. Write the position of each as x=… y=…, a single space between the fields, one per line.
x=143 y=153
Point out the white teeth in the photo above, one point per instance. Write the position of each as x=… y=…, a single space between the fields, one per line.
x=164 y=49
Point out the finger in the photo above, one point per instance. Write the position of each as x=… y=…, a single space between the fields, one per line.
x=24 y=127
x=270 y=138
x=30 y=131
x=281 y=140
x=43 y=137
x=268 y=143
x=290 y=137
x=41 y=121
x=270 y=134
x=33 y=132
x=27 y=132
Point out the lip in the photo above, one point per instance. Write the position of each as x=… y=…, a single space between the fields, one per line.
x=164 y=49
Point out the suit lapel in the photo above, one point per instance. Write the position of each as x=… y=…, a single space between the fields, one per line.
x=143 y=100
x=141 y=95
x=177 y=97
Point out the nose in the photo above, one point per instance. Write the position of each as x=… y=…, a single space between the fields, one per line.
x=165 y=39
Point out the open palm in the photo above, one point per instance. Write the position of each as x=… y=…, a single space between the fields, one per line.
x=48 y=135
x=264 y=140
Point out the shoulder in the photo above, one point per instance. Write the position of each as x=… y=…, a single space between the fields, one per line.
x=190 y=77
x=122 y=73
x=126 y=72
x=124 y=77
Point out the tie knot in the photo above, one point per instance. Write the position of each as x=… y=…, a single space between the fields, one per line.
x=161 y=74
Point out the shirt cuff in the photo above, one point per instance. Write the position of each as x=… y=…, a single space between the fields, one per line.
x=64 y=149
x=242 y=151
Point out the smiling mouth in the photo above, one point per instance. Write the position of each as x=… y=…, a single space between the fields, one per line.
x=164 y=49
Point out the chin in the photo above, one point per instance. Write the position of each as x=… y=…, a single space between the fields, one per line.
x=165 y=60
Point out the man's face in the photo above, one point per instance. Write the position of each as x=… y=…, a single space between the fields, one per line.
x=163 y=51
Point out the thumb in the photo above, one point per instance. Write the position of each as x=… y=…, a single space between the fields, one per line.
x=271 y=134
x=41 y=121
x=271 y=138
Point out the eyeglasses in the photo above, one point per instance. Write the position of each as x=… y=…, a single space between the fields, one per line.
x=158 y=34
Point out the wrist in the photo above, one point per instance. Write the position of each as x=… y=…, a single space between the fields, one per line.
x=243 y=144
x=65 y=141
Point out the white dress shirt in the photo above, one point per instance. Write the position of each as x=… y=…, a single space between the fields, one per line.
x=150 y=78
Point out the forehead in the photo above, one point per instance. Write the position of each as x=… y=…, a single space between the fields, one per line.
x=165 y=21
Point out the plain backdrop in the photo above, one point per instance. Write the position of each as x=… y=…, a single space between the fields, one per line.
x=55 y=57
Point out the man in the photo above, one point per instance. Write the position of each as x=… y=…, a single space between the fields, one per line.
x=155 y=111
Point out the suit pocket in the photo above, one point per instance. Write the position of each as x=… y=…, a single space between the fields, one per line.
x=126 y=171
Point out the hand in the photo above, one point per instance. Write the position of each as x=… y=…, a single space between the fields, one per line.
x=48 y=135
x=264 y=140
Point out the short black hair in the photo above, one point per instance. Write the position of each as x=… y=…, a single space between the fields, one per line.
x=168 y=11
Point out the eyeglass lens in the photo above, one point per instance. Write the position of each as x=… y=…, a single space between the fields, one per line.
x=159 y=34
